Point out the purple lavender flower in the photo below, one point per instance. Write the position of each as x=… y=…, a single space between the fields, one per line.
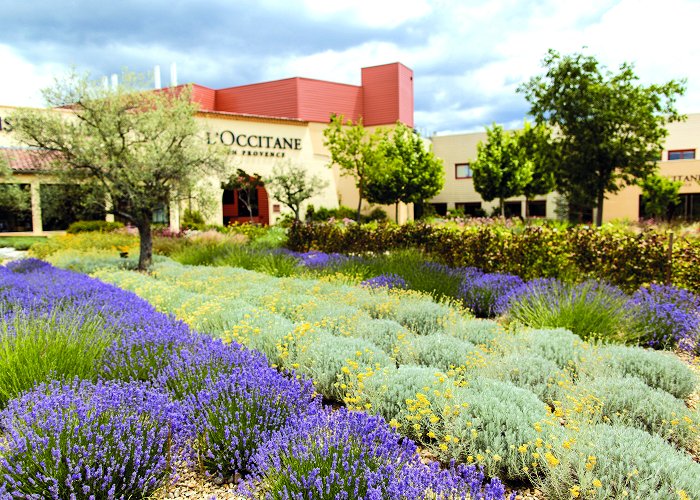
x=385 y=281
x=83 y=440
x=486 y=294
x=345 y=454
x=664 y=316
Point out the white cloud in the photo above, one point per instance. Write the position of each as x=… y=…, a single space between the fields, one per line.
x=371 y=13
x=21 y=81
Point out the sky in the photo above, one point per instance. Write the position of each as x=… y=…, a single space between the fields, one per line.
x=468 y=56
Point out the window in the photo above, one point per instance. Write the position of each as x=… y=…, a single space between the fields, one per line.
x=513 y=209
x=463 y=171
x=681 y=154
x=537 y=208
x=471 y=209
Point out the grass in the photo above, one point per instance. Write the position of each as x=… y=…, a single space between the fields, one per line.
x=20 y=242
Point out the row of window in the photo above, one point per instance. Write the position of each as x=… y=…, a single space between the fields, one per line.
x=464 y=170
x=535 y=208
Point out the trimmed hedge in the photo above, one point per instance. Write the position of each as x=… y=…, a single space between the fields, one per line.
x=623 y=258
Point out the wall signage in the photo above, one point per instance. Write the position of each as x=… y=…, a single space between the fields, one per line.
x=5 y=125
x=255 y=145
x=688 y=179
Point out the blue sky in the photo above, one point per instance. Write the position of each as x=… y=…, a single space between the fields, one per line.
x=468 y=57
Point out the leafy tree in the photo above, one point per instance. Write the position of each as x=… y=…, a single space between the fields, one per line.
x=144 y=148
x=660 y=196
x=291 y=185
x=247 y=187
x=14 y=197
x=500 y=170
x=535 y=146
x=407 y=172
x=354 y=150
x=610 y=128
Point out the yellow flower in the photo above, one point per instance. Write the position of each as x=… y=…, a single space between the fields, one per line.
x=575 y=491
x=551 y=459
x=522 y=448
x=443 y=446
x=496 y=458
x=538 y=427
x=597 y=483
x=431 y=434
x=393 y=423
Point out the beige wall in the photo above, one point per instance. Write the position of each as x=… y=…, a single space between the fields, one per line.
x=461 y=148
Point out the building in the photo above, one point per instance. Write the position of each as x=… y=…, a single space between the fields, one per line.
x=262 y=123
x=679 y=161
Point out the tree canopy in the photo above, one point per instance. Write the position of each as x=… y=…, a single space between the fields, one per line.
x=660 y=196
x=501 y=170
x=407 y=170
x=354 y=149
x=291 y=184
x=247 y=186
x=610 y=128
x=143 y=148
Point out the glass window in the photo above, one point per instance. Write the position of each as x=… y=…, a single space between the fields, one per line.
x=463 y=171
x=682 y=154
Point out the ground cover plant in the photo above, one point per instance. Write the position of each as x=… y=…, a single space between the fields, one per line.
x=164 y=397
x=475 y=401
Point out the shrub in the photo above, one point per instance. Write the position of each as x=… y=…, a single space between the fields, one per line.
x=485 y=295
x=83 y=440
x=659 y=370
x=387 y=281
x=629 y=401
x=613 y=461
x=329 y=360
x=489 y=420
x=391 y=337
x=441 y=351
x=235 y=414
x=558 y=345
x=38 y=347
x=115 y=241
x=590 y=309
x=666 y=316
x=423 y=316
x=346 y=454
x=528 y=371
x=477 y=331
x=87 y=226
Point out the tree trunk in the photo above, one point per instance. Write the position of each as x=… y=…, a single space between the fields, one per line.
x=397 y=212
x=502 y=204
x=146 y=244
x=527 y=208
x=359 y=205
x=599 y=206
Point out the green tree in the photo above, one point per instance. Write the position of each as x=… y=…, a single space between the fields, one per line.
x=14 y=197
x=660 y=196
x=610 y=128
x=407 y=172
x=143 y=148
x=500 y=170
x=247 y=186
x=291 y=184
x=535 y=146
x=354 y=149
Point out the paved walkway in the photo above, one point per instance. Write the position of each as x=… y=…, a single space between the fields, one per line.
x=8 y=253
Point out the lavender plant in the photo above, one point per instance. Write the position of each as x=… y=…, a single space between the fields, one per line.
x=83 y=440
x=387 y=281
x=237 y=413
x=665 y=316
x=346 y=454
x=486 y=295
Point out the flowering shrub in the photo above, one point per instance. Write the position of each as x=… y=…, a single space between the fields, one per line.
x=487 y=295
x=235 y=414
x=347 y=454
x=666 y=316
x=629 y=401
x=612 y=461
x=83 y=440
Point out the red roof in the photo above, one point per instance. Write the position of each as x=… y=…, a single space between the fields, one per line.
x=27 y=159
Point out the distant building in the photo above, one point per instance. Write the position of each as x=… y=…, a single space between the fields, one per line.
x=262 y=123
x=679 y=161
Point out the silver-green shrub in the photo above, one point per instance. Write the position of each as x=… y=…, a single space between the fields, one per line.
x=477 y=331
x=660 y=370
x=629 y=401
x=424 y=316
x=391 y=337
x=614 y=461
x=442 y=351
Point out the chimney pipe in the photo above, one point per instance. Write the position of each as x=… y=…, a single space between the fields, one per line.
x=115 y=81
x=173 y=75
